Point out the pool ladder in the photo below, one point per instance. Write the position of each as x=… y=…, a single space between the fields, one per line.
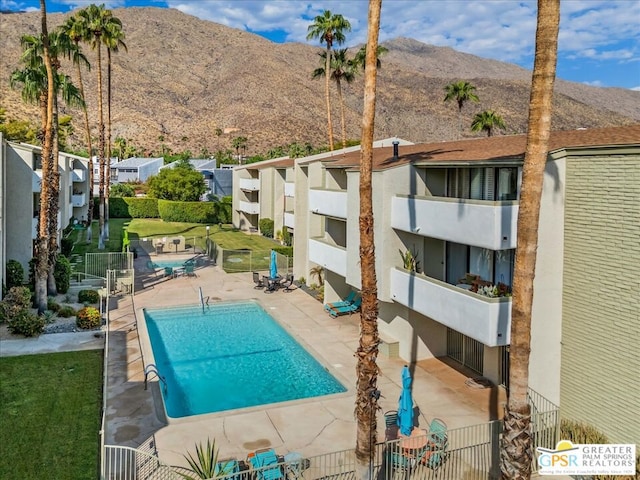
x=151 y=369
x=203 y=300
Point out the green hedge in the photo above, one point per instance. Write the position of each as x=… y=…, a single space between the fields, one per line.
x=133 y=207
x=194 y=212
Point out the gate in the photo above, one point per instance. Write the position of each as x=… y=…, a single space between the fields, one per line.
x=465 y=350
x=97 y=264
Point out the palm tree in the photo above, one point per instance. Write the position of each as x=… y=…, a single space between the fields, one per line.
x=461 y=92
x=328 y=28
x=487 y=121
x=97 y=21
x=238 y=143
x=113 y=39
x=366 y=368
x=360 y=56
x=342 y=68
x=76 y=29
x=516 y=453
x=42 y=242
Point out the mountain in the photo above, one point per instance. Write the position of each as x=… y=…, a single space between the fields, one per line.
x=182 y=78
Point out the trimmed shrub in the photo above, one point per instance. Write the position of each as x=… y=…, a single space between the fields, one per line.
x=26 y=323
x=52 y=305
x=66 y=312
x=66 y=246
x=15 y=274
x=193 y=212
x=62 y=274
x=222 y=210
x=287 y=251
x=16 y=300
x=266 y=227
x=88 y=296
x=133 y=207
x=88 y=317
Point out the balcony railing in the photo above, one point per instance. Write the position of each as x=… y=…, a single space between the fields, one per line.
x=332 y=203
x=289 y=219
x=252 y=208
x=78 y=175
x=250 y=184
x=479 y=223
x=485 y=319
x=331 y=257
x=78 y=200
x=289 y=189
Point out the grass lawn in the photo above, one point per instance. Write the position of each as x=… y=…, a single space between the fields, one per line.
x=50 y=415
x=81 y=246
x=226 y=237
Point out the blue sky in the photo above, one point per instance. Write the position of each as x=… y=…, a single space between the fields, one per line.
x=599 y=41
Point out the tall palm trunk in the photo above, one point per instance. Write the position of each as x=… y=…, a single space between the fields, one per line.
x=367 y=352
x=42 y=244
x=101 y=160
x=516 y=452
x=327 y=69
x=342 y=119
x=108 y=175
x=53 y=203
x=89 y=149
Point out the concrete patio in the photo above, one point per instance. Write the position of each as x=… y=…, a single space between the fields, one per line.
x=135 y=416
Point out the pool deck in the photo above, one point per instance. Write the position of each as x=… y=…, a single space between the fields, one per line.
x=135 y=416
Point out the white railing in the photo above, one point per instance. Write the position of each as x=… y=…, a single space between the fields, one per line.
x=331 y=257
x=289 y=219
x=487 y=320
x=332 y=203
x=78 y=200
x=485 y=224
x=289 y=189
x=250 y=184
x=252 y=208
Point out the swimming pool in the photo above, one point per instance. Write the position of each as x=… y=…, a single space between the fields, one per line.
x=171 y=263
x=234 y=355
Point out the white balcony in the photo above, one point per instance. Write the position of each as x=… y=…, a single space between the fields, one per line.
x=250 y=184
x=332 y=203
x=78 y=175
x=289 y=219
x=490 y=225
x=79 y=200
x=331 y=257
x=252 y=208
x=289 y=189
x=485 y=319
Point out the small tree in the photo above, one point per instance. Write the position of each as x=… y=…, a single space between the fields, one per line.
x=266 y=227
x=15 y=274
x=179 y=184
x=122 y=190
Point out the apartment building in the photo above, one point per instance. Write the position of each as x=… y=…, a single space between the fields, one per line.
x=454 y=206
x=21 y=186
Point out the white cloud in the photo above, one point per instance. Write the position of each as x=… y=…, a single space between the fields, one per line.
x=595 y=83
x=637 y=89
x=500 y=29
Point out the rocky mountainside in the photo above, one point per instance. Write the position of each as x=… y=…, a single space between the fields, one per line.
x=182 y=78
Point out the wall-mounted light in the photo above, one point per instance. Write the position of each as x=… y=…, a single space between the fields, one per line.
x=416 y=230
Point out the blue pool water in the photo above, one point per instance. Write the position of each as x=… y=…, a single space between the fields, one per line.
x=234 y=355
x=169 y=263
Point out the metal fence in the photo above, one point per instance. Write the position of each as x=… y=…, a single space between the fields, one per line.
x=234 y=261
x=471 y=453
x=97 y=264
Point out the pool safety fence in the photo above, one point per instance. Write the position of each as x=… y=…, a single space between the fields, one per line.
x=234 y=261
x=97 y=264
x=166 y=245
x=471 y=452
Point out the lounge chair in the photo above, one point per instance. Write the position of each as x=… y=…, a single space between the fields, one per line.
x=189 y=270
x=267 y=465
x=288 y=283
x=168 y=271
x=231 y=469
x=354 y=307
x=342 y=303
x=257 y=280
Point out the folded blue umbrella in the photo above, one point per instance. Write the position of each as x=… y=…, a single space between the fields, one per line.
x=273 y=267
x=405 y=404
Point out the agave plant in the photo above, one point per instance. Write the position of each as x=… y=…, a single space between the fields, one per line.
x=205 y=465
